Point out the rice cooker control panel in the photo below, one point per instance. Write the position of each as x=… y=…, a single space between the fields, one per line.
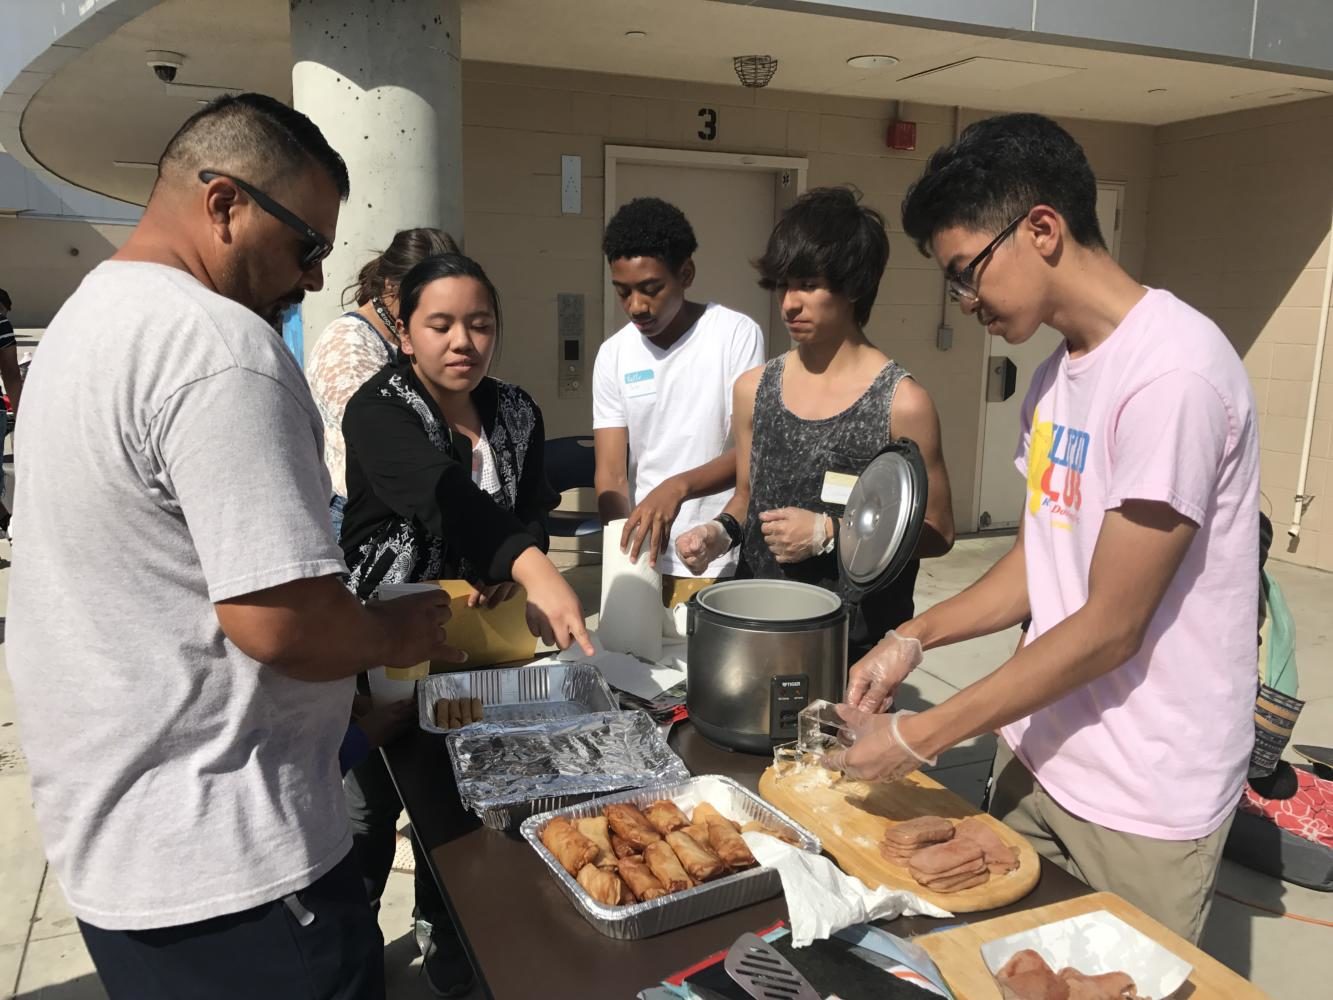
x=788 y=694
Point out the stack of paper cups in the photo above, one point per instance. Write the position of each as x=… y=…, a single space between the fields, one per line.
x=398 y=683
x=631 y=618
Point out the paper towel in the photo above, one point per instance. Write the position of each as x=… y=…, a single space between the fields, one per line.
x=631 y=617
x=822 y=900
x=624 y=671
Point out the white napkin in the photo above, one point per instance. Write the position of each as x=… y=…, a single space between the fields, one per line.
x=623 y=671
x=631 y=616
x=822 y=900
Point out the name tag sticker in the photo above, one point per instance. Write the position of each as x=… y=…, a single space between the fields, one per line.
x=837 y=487
x=640 y=383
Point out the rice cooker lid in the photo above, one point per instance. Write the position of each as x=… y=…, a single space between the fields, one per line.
x=881 y=523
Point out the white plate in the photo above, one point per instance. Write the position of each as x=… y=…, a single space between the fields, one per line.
x=1095 y=943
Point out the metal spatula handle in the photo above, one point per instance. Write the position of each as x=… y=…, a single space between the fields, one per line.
x=758 y=969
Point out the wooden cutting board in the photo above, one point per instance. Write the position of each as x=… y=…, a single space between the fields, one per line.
x=958 y=951
x=850 y=818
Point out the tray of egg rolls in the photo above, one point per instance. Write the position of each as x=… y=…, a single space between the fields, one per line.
x=643 y=862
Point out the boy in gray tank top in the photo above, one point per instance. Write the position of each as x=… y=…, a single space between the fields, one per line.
x=821 y=412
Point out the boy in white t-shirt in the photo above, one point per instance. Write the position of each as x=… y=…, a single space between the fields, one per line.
x=662 y=394
x=1126 y=717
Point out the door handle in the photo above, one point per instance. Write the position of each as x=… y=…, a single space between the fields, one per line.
x=1001 y=381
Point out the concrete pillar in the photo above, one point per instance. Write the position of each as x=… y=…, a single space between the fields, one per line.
x=383 y=80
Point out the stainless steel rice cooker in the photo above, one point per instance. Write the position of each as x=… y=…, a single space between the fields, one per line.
x=759 y=651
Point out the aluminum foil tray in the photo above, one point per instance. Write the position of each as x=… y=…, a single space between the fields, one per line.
x=506 y=772
x=520 y=694
x=641 y=920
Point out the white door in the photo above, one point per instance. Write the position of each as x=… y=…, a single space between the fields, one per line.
x=732 y=212
x=1001 y=487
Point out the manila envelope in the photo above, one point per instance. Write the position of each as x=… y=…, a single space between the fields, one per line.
x=489 y=635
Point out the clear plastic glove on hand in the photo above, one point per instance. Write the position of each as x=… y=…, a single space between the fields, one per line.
x=794 y=535
x=877 y=752
x=876 y=676
x=701 y=545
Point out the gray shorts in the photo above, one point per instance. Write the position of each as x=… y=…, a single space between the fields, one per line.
x=1170 y=880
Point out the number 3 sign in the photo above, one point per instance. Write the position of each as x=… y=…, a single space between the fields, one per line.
x=709 y=131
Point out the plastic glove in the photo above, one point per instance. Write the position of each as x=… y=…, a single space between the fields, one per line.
x=876 y=676
x=701 y=545
x=878 y=751
x=793 y=534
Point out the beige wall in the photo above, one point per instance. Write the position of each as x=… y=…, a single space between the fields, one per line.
x=37 y=267
x=1238 y=226
x=518 y=121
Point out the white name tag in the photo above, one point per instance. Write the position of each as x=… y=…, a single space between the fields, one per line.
x=640 y=383
x=837 y=487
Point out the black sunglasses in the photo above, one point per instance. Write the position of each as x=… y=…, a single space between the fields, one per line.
x=317 y=247
x=963 y=285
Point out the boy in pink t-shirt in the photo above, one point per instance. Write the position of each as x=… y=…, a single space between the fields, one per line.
x=1126 y=715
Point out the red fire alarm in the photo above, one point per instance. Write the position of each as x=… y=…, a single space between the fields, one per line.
x=902 y=135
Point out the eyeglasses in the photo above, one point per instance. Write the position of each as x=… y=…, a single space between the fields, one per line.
x=316 y=247
x=963 y=285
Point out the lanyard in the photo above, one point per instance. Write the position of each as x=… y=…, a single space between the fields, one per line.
x=390 y=323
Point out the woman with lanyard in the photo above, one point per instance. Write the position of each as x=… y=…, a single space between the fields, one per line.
x=446 y=479
x=359 y=343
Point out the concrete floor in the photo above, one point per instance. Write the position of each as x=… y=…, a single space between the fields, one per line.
x=42 y=955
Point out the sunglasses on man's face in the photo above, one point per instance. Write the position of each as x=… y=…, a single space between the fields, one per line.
x=314 y=247
x=963 y=285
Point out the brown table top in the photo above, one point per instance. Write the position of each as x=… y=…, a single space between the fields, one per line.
x=526 y=939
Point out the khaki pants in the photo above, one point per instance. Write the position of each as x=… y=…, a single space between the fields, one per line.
x=1170 y=880
x=679 y=589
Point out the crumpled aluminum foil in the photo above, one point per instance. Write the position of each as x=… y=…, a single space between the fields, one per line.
x=503 y=765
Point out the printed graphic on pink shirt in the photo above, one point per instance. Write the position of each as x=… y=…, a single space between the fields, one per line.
x=1057 y=459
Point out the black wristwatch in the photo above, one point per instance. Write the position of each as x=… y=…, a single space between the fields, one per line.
x=732 y=527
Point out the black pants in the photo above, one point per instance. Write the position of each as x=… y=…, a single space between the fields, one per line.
x=273 y=952
x=373 y=805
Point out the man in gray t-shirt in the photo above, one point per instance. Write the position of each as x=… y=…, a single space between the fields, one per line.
x=181 y=646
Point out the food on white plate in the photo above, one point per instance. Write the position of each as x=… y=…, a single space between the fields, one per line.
x=1106 y=986
x=1026 y=976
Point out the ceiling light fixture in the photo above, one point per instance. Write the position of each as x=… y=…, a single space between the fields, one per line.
x=636 y=35
x=872 y=62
